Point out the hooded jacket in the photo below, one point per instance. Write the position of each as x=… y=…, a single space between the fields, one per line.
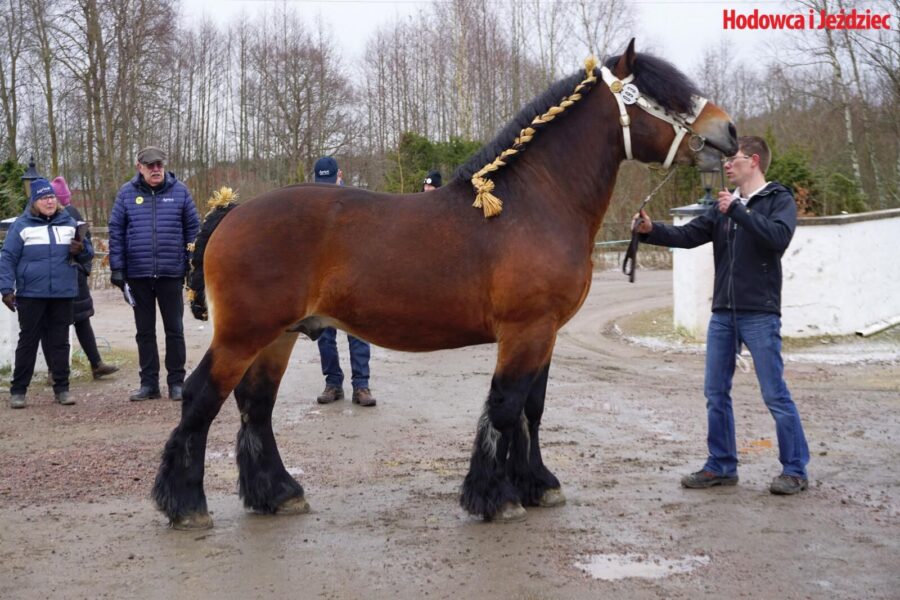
x=149 y=229
x=34 y=261
x=748 y=243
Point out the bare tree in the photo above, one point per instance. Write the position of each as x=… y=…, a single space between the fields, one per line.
x=11 y=18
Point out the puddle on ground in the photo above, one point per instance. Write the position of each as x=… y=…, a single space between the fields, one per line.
x=611 y=567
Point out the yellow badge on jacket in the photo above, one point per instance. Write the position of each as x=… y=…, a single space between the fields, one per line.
x=139 y=200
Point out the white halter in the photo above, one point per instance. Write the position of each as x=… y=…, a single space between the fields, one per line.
x=626 y=92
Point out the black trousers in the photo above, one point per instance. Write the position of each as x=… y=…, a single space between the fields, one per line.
x=88 y=342
x=38 y=316
x=167 y=293
x=86 y=338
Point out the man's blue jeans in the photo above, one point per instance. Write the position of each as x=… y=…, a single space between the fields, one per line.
x=761 y=333
x=331 y=365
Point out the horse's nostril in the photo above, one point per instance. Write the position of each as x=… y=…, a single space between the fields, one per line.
x=732 y=131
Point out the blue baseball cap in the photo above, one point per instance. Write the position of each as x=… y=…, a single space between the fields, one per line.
x=326 y=170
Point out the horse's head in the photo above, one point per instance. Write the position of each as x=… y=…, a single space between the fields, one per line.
x=664 y=119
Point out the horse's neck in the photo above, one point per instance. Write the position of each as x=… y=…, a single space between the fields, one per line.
x=572 y=171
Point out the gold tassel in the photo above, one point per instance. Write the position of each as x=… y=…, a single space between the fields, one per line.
x=221 y=197
x=590 y=63
x=485 y=200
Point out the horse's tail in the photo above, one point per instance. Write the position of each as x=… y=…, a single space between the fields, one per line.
x=219 y=205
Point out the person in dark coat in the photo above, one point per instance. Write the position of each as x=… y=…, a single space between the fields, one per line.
x=750 y=229
x=432 y=181
x=326 y=171
x=153 y=220
x=83 y=308
x=38 y=280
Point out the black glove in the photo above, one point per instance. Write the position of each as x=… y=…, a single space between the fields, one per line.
x=117 y=278
x=10 y=301
x=75 y=247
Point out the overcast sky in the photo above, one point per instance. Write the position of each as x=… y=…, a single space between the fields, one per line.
x=679 y=29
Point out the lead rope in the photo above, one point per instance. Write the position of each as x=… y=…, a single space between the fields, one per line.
x=629 y=265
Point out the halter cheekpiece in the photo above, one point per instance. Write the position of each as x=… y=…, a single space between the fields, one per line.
x=626 y=93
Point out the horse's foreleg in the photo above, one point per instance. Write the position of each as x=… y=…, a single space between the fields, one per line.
x=265 y=484
x=536 y=484
x=487 y=489
x=178 y=489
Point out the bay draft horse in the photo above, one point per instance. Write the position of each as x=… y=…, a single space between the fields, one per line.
x=418 y=272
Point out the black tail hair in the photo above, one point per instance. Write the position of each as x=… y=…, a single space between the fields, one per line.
x=196 y=283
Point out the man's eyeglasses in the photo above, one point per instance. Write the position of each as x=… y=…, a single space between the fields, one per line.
x=731 y=159
x=154 y=165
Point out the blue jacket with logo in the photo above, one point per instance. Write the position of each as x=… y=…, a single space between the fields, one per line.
x=149 y=230
x=34 y=261
x=748 y=243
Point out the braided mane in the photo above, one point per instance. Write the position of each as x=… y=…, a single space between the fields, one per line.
x=506 y=137
x=654 y=77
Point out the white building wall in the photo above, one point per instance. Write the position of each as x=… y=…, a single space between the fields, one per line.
x=841 y=275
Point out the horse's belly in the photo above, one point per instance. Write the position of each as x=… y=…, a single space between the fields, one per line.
x=411 y=335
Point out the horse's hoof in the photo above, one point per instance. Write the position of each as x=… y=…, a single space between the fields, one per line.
x=552 y=497
x=193 y=522
x=510 y=513
x=293 y=506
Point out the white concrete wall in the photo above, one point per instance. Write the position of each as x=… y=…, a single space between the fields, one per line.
x=9 y=338
x=841 y=274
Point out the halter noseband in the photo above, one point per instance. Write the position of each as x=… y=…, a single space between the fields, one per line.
x=626 y=92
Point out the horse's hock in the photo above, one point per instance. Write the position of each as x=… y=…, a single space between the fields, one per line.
x=841 y=276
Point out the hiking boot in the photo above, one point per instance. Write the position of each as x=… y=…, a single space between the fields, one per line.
x=64 y=398
x=706 y=479
x=331 y=394
x=145 y=393
x=17 y=401
x=788 y=485
x=176 y=392
x=363 y=397
x=103 y=369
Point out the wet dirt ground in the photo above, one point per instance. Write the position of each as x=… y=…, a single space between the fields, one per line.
x=624 y=421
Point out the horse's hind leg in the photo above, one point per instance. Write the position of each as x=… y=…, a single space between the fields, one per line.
x=536 y=484
x=265 y=485
x=487 y=489
x=178 y=489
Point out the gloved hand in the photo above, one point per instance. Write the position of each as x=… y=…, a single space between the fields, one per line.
x=10 y=301
x=75 y=247
x=117 y=278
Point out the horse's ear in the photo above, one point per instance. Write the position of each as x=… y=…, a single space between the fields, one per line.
x=625 y=66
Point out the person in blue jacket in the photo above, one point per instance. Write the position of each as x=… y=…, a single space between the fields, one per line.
x=38 y=279
x=153 y=220
x=750 y=229
x=326 y=171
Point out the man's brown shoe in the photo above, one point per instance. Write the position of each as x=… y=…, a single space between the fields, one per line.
x=103 y=369
x=706 y=479
x=331 y=394
x=363 y=397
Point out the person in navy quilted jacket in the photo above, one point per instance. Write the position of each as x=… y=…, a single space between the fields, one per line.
x=153 y=220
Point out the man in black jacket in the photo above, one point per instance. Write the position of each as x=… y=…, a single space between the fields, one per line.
x=750 y=229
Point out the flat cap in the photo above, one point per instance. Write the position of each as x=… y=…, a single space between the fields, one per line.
x=150 y=155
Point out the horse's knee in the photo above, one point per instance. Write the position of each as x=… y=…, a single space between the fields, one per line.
x=504 y=407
